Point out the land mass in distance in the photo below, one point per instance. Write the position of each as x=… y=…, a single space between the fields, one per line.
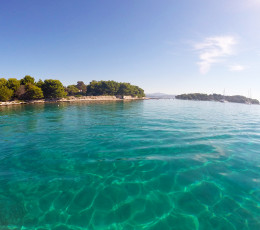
x=217 y=97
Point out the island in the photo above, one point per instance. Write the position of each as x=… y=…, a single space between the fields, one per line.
x=217 y=97
x=27 y=90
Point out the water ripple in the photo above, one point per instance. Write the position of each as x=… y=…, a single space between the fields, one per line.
x=163 y=164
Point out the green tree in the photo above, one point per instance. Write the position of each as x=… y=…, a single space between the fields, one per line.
x=3 y=81
x=5 y=93
x=32 y=92
x=39 y=83
x=72 y=90
x=53 y=89
x=93 y=89
x=27 y=79
x=109 y=87
x=137 y=92
x=82 y=87
x=13 y=84
x=124 y=89
x=96 y=88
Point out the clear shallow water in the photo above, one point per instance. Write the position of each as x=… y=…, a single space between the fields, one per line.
x=158 y=164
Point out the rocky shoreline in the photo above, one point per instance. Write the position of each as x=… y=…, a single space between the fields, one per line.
x=73 y=99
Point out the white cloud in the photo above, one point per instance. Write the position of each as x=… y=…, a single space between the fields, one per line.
x=213 y=50
x=237 y=68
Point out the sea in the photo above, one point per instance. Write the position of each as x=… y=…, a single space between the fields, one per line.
x=145 y=164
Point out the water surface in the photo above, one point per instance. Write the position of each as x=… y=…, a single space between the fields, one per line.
x=156 y=164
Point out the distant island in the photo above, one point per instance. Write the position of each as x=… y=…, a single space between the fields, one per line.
x=160 y=96
x=27 y=89
x=217 y=97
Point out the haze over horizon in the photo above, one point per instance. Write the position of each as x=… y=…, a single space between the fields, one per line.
x=164 y=46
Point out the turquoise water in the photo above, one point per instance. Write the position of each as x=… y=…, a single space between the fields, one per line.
x=156 y=164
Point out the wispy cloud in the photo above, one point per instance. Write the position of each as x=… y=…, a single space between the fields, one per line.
x=213 y=50
x=237 y=68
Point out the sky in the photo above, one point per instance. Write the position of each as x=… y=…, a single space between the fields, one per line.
x=167 y=46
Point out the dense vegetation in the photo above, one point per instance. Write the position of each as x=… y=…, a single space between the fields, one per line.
x=97 y=88
x=217 y=97
x=28 y=89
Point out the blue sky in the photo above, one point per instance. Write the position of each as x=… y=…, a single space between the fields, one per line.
x=168 y=46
